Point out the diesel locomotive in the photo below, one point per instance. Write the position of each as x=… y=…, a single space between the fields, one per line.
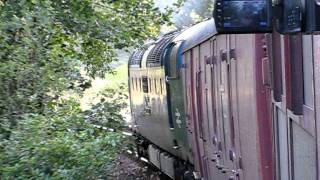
x=233 y=97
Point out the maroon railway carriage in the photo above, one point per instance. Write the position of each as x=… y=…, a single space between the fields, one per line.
x=227 y=99
x=296 y=105
x=226 y=92
x=251 y=101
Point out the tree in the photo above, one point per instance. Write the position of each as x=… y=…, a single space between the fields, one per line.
x=45 y=43
x=192 y=11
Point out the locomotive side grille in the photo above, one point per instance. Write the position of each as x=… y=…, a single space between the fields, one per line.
x=154 y=57
x=135 y=59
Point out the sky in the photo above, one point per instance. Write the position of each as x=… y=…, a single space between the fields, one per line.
x=163 y=3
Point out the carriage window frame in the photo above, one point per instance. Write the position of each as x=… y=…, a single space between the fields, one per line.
x=296 y=74
x=156 y=86
x=161 y=86
x=150 y=85
x=136 y=83
x=145 y=84
x=277 y=65
x=132 y=84
x=308 y=72
x=140 y=88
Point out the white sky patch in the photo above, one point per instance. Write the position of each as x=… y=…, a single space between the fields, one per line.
x=162 y=4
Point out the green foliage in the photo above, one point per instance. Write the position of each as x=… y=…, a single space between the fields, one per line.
x=119 y=78
x=191 y=11
x=45 y=43
x=45 y=46
x=107 y=112
x=62 y=145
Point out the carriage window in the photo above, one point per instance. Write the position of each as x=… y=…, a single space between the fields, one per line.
x=150 y=85
x=145 y=84
x=161 y=86
x=173 y=66
x=277 y=67
x=308 y=71
x=296 y=73
x=155 y=86
x=136 y=83
x=132 y=84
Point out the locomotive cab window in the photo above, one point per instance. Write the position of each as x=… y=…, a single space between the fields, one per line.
x=145 y=84
x=174 y=60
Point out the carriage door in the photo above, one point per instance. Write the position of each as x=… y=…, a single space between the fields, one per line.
x=214 y=146
x=279 y=110
x=229 y=101
x=199 y=106
x=190 y=83
x=301 y=114
x=227 y=84
x=233 y=151
x=208 y=108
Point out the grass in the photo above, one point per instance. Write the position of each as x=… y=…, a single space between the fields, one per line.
x=121 y=76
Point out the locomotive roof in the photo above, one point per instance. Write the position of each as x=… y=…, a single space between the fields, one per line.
x=137 y=55
x=155 y=55
x=197 y=34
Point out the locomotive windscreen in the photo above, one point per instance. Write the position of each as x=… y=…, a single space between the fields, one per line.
x=245 y=16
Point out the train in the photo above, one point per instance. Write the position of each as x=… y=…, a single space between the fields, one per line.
x=221 y=101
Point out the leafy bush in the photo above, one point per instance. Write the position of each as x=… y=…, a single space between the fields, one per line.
x=107 y=112
x=44 y=46
x=61 y=145
x=46 y=43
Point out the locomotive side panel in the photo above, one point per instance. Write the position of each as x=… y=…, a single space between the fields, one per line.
x=136 y=96
x=156 y=125
x=186 y=71
x=149 y=105
x=175 y=98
